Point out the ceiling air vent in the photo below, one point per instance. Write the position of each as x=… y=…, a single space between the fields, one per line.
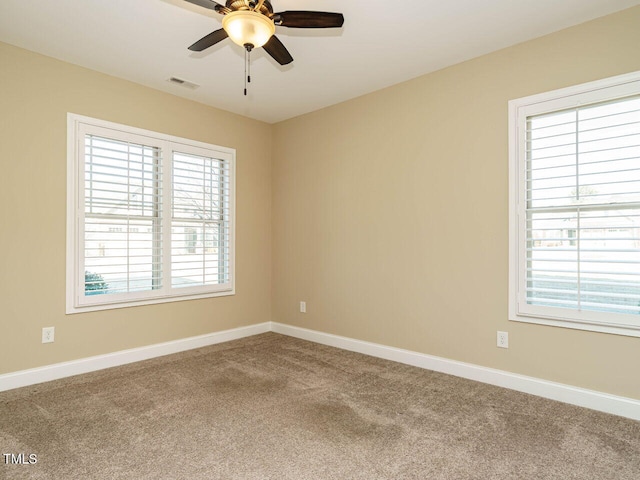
x=183 y=83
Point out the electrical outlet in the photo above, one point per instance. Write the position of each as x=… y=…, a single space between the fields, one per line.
x=303 y=307
x=48 y=334
x=503 y=339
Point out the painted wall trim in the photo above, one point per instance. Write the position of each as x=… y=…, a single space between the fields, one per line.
x=582 y=397
x=604 y=402
x=47 y=373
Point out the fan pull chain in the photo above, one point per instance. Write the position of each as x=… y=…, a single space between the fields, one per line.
x=247 y=66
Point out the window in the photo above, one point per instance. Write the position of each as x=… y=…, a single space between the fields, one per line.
x=575 y=207
x=150 y=217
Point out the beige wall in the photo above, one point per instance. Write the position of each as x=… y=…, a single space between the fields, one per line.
x=36 y=92
x=388 y=212
x=391 y=213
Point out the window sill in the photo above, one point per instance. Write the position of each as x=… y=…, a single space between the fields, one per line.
x=577 y=325
x=71 y=309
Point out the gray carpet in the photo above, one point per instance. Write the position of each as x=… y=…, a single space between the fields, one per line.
x=275 y=407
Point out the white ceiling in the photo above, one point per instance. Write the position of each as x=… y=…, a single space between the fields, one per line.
x=381 y=43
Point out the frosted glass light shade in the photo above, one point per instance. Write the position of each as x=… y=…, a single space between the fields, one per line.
x=248 y=27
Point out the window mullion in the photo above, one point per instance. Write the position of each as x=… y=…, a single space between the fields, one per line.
x=578 y=233
x=222 y=253
x=167 y=213
x=128 y=203
x=158 y=240
x=202 y=223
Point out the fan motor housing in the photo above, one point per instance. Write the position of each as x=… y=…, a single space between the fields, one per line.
x=265 y=9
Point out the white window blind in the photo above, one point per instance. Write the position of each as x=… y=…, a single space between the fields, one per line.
x=150 y=217
x=577 y=220
x=122 y=228
x=583 y=208
x=200 y=224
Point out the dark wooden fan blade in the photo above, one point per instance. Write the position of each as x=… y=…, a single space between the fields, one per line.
x=278 y=51
x=209 y=40
x=210 y=4
x=304 y=19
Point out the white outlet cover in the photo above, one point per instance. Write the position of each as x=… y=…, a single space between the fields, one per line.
x=503 y=339
x=48 y=334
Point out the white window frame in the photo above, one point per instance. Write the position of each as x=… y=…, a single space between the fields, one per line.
x=76 y=300
x=519 y=110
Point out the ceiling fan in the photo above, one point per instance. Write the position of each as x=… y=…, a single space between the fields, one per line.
x=252 y=24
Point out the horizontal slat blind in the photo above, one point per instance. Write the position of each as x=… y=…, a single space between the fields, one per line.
x=200 y=227
x=583 y=208
x=122 y=229
x=150 y=217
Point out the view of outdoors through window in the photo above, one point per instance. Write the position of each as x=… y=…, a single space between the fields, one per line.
x=198 y=230
x=583 y=208
x=122 y=219
x=123 y=227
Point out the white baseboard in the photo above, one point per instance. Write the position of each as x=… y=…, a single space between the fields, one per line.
x=604 y=402
x=84 y=365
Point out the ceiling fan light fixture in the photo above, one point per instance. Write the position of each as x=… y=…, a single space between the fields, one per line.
x=246 y=27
